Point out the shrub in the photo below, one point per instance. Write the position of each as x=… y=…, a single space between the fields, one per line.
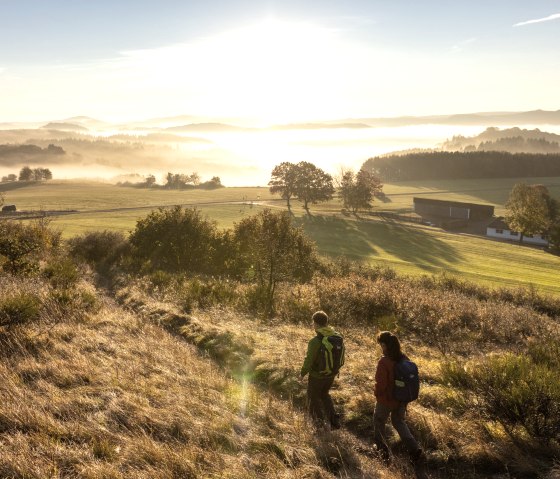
x=206 y=293
x=61 y=273
x=73 y=302
x=296 y=304
x=514 y=390
x=99 y=248
x=23 y=245
x=19 y=308
x=176 y=239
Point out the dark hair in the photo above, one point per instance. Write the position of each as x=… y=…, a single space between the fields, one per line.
x=320 y=318
x=393 y=345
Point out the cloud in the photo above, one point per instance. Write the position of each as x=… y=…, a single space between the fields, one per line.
x=459 y=47
x=539 y=20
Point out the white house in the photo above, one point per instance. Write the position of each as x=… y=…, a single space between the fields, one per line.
x=499 y=229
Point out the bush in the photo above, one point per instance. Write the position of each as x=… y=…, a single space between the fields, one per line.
x=514 y=390
x=23 y=245
x=62 y=273
x=100 y=248
x=176 y=240
x=206 y=293
x=19 y=308
x=74 y=301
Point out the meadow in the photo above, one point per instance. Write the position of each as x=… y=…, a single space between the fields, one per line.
x=406 y=247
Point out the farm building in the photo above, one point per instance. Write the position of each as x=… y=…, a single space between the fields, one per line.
x=499 y=229
x=452 y=213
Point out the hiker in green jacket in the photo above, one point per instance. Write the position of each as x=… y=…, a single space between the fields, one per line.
x=323 y=360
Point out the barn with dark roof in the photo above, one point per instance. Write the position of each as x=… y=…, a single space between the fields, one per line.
x=452 y=214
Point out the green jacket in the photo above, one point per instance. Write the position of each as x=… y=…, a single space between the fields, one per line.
x=312 y=349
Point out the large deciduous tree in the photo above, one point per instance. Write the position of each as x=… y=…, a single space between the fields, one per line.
x=283 y=181
x=26 y=174
x=272 y=250
x=530 y=210
x=312 y=185
x=359 y=190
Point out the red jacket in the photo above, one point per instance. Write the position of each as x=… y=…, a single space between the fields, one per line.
x=385 y=382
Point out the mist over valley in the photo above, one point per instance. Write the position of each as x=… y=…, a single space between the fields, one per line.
x=241 y=152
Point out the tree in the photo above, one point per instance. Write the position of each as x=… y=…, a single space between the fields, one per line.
x=37 y=174
x=358 y=190
x=312 y=184
x=272 y=250
x=530 y=209
x=180 y=180
x=26 y=174
x=150 y=181
x=212 y=184
x=283 y=181
x=554 y=235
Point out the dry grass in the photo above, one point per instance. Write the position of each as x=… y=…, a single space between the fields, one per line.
x=109 y=395
x=461 y=441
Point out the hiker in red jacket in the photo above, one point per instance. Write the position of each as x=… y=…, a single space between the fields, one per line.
x=386 y=404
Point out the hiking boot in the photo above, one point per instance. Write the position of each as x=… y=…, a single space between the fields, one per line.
x=418 y=456
x=383 y=454
x=335 y=422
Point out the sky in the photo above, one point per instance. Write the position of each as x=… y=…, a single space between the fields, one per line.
x=276 y=61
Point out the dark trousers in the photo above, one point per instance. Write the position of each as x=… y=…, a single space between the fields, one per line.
x=398 y=416
x=319 y=400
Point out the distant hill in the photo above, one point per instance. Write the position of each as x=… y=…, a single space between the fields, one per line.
x=318 y=126
x=513 y=140
x=205 y=127
x=11 y=155
x=64 y=127
x=536 y=117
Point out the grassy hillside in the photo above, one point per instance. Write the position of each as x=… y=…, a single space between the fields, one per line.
x=466 y=427
x=183 y=375
x=107 y=394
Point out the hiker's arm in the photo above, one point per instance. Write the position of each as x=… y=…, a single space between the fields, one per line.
x=312 y=349
x=381 y=381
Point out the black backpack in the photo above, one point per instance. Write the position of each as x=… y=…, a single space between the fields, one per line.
x=407 y=381
x=330 y=357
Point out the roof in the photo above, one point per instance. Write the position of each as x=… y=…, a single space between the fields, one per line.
x=456 y=204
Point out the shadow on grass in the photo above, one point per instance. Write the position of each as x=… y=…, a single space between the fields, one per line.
x=363 y=239
x=16 y=185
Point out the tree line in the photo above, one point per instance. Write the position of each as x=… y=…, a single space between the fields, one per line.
x=177 y=181
x=311 y=185
x=441 y=165
x=29 y=174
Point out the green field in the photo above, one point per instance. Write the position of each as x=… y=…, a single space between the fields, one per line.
x=409 y=248
x=416 y=249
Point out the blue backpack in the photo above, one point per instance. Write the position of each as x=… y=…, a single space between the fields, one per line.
x=407 y=381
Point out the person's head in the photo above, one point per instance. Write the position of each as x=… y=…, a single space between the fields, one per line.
x=320 y=319
x=390 y=344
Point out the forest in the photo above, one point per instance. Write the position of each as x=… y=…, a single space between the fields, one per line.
x=442 y=165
